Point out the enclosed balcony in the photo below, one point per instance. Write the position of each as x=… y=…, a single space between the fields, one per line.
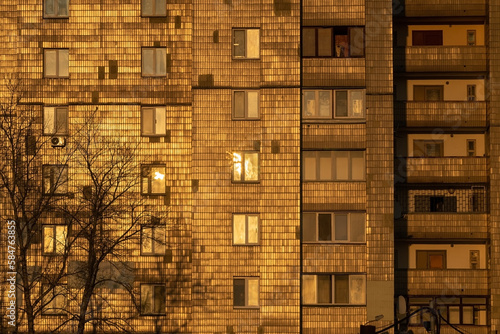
x=440 y=59
x=334 y=72
x=447 y=170
x=447 y=114
x=424 y=8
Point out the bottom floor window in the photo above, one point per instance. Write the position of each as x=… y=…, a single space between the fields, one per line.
x=246 y=292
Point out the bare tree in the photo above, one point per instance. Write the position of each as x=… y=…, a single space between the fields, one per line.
x=27 y=200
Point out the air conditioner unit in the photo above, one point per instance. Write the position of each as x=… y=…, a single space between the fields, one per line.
x=58 y=141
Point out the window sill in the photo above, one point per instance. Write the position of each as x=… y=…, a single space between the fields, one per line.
x=333 y=121
x=246 y=307
x=334 y=243
x=334 y=305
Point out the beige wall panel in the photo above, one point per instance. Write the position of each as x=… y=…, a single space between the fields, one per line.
x=333 y=136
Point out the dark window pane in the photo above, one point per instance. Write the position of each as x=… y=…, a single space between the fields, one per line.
x=324 y=227
x=309 y=42
x=324 y=42
x=159 y=299
x=341 y=103
x=239 y=43
x=421 y=260
x=341 y=46
x=239 y=104
x=427 y=37
x=436 y=261
x=342 y=289
x=160 y=7
x=239 y=292
x=309 y=226
x=63 y=7
x=61 y=120
x=437 y=204
x=341 y=227
x=450 y=204
x=324 y=289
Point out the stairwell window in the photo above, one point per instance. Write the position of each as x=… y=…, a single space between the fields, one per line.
x=154 y=8
x=153 y=298
x=154 y=62
x=153 y=180
x=246 y=43
x=56 y=63
x=153 y=121
x=245 y=229
x=245 y=166
x=55 y=9
x=55 y=120
x=246 y=292
x=245 y=104
x=55 y=179
x=54 y=239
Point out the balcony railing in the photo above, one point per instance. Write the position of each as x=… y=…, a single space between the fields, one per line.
x=442 y=282
x=445 y=8
x=442 y=225
x=334 y=72
x=326 y=196
x=333 y=135
x=447 y=114
x=447 y=170
x=440 y=59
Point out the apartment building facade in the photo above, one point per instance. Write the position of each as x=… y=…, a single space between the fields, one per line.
x=266 y=132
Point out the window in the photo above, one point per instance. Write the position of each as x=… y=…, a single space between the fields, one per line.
x=471 y=92
x=56 y=63
x=153 y=240
x=246 y=43
x=55 y=9
x=334 y=289
x=469 y=310
x=153 y=299
x=474 y=259
x=154 y=8
x=55 y=120
x=333 y=165
x=333 y=227
x=471 y=147
x=55 y=179
x=245 y=166
x=471 y=37
x=245 y=229
x=317 y=104
x=427 y=93
x=427 y=37
x=55 y=300
x=154 y=62
x=246 y=292
x=427 y=148
x=246 y=104
x=54 y=239
x=339 y=42
x=153 y=121
x=431 y=259
x=153 y=180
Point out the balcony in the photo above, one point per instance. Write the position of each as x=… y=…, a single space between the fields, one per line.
x=425 y=8
x=440 y=59
x=447 y=114
x=334 y=257
x=333 y=13
x=331 y=196
x=333 y=135
x=447 y=170
x=333 y=72
x=441 y=282
x=443 y=226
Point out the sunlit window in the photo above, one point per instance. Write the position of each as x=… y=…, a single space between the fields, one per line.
x=153 y=240
x=246 y=292
x=153 y=180
x=56 y=63
x=245 y=229
x=245 y=166
x=334 y=289
x=54 y=239
x=55 y=179
x=246 y=43
x=55 y=120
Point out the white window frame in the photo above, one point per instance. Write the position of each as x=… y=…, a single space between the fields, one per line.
x=333 y=103
x=58 y=60
x=157 y=68
x=152 y=298
x=55 y=301
x=154 y=4
x=239 y=163
x=156 y=236
x=314 y=277
x=51 y=121
x=249 y=34
x=58 y=235
x=56 y=10
x=333 y=155
x=332 y=227
x=159 y=123
x=246 y=104
x=147 y=176
x=246 y=217
x=247 y=302
x=58 y=179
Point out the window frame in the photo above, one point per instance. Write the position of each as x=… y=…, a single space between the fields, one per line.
x=332 y=227
x=155 y=62
x=150 y=185
x=155 y=110
x=471 y=152
x=247 y=279
x=427 y=253
x=333 y=158
x=154 y=9
x=246 y=243
x=233 y=104
x=54 y=295
x=333 y=104
x=332 y=303
x=56 y=9
x=233 y=44
x=55 y=132
x=163 y=302
x=158 y=236
x=55 y=240
x=52 y=191
x=333 y=47
x=471 y=93
x=233 y=166
x=57 y=75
